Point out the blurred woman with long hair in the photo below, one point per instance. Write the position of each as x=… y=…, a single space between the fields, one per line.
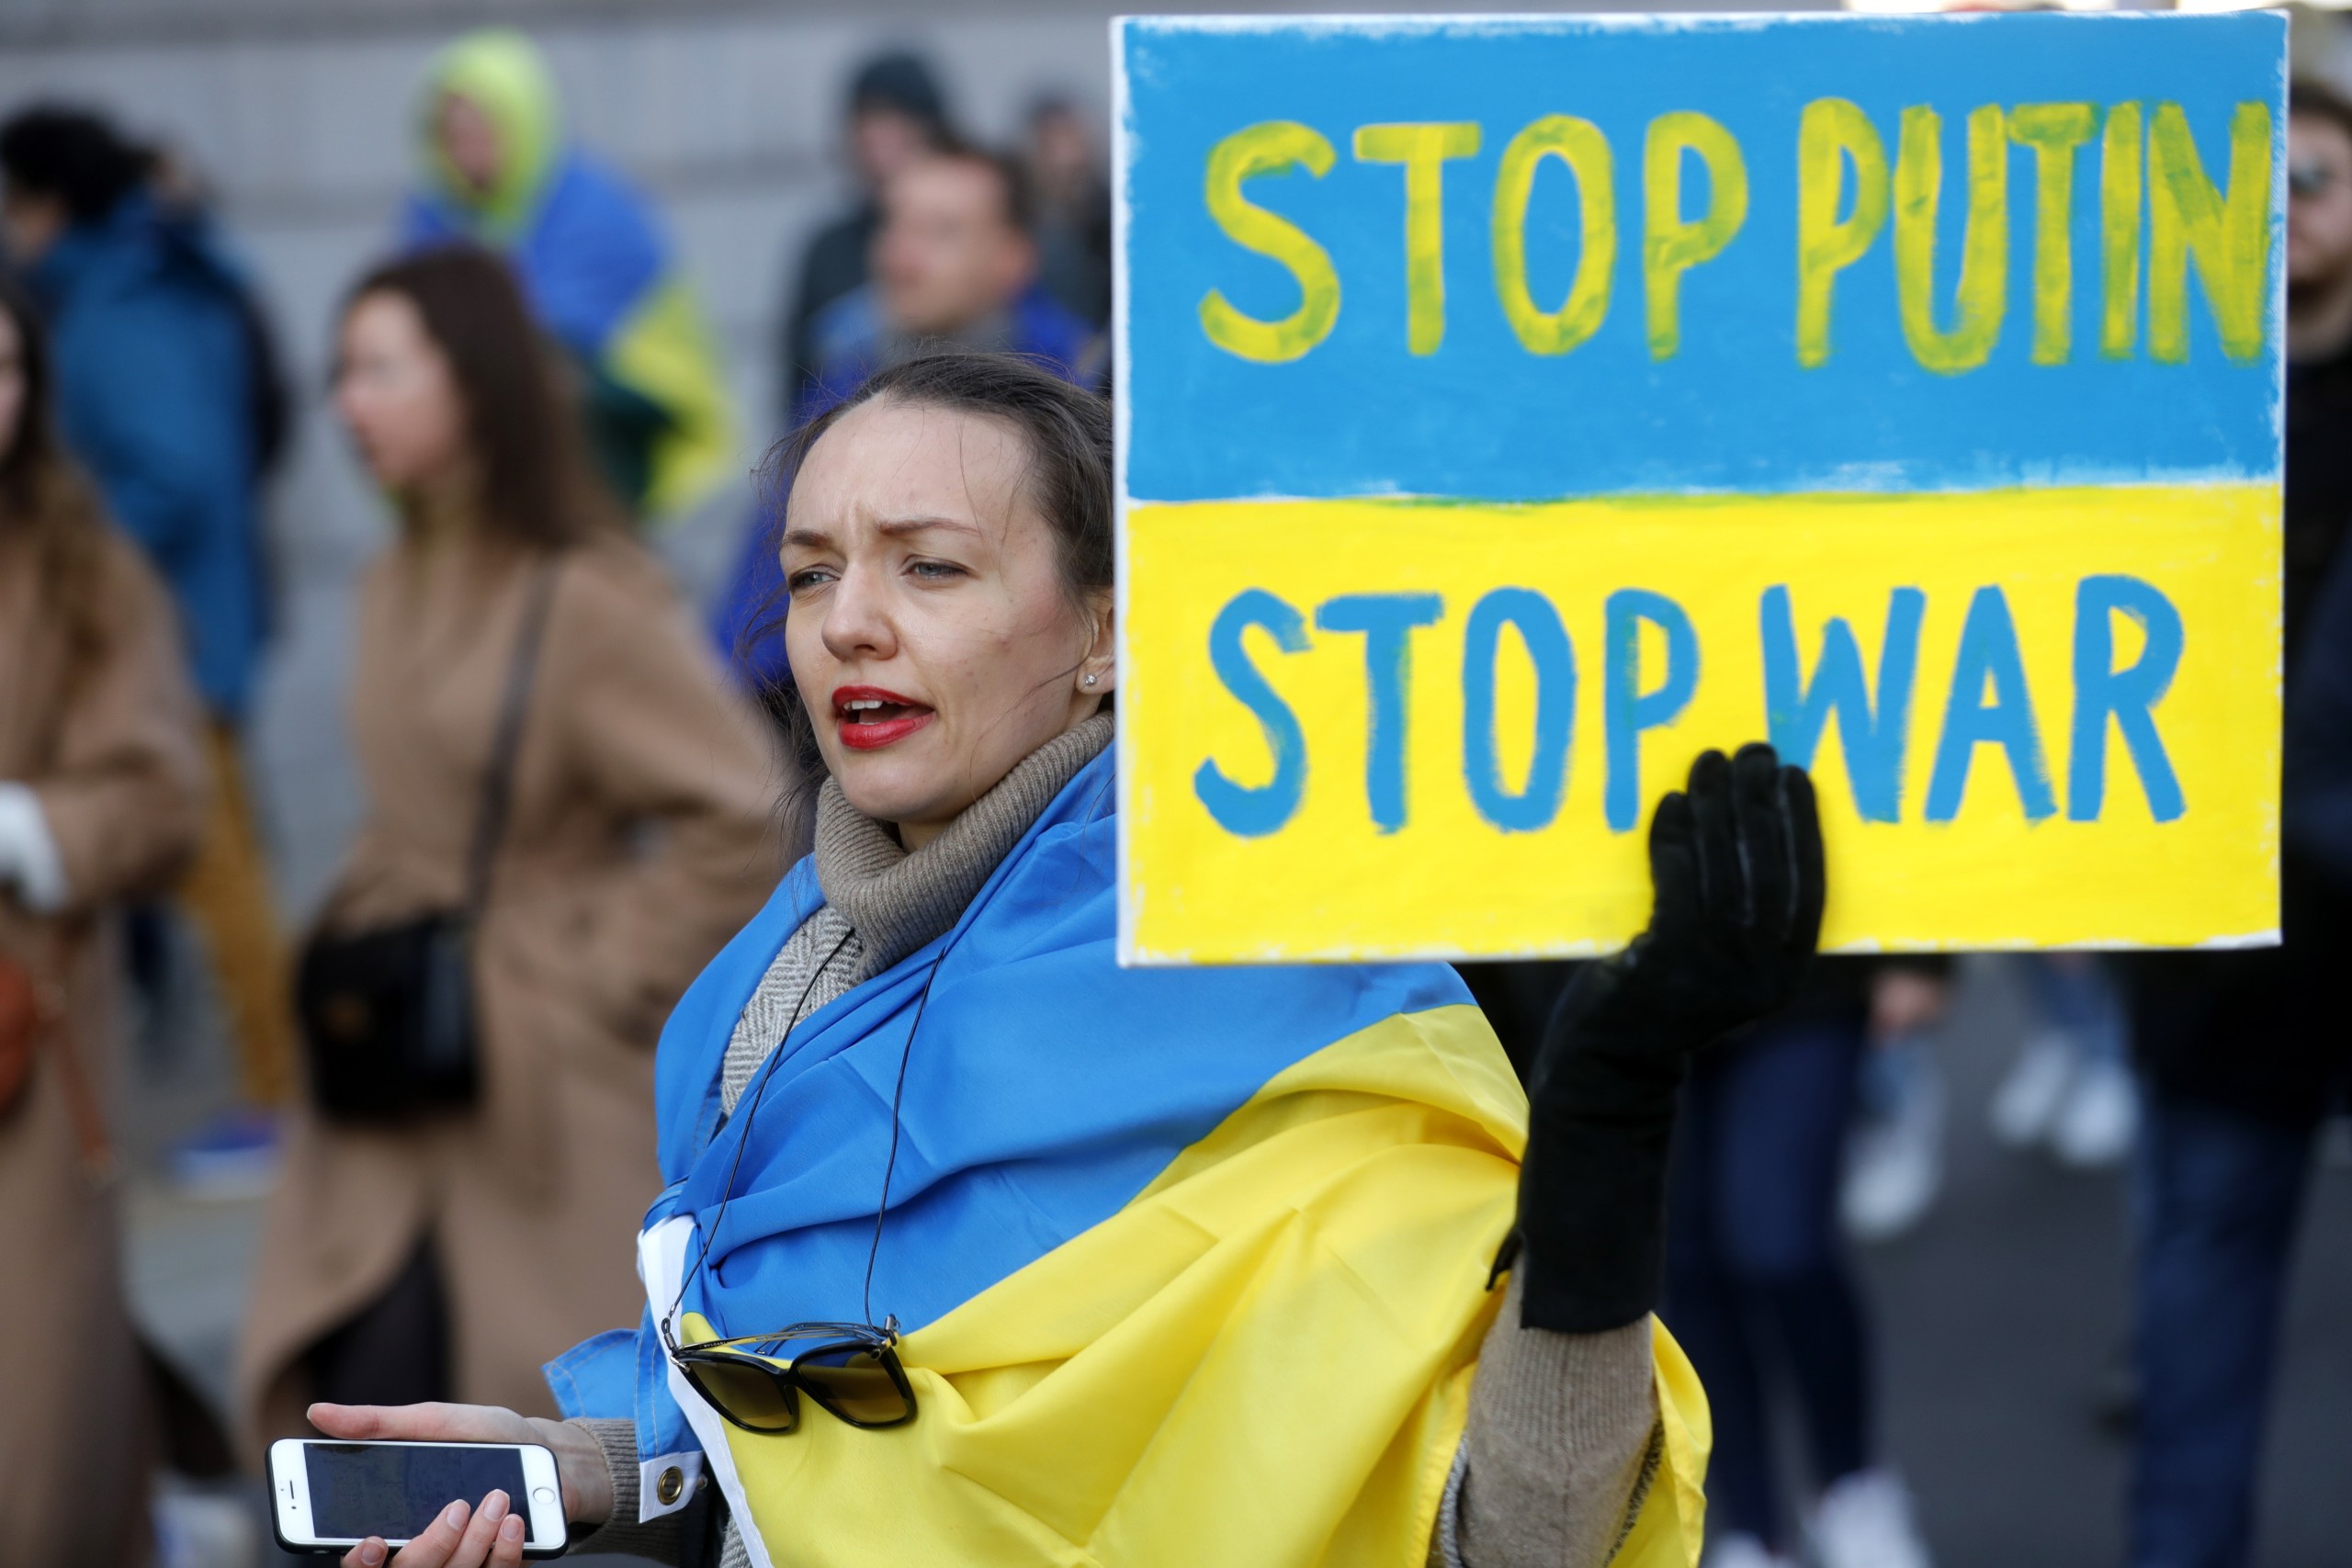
x=101 y=795
x=448 y=1251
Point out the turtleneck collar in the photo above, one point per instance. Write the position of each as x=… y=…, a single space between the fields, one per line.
x=897 y=901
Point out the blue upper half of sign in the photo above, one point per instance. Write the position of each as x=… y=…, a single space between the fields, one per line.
x=1731 y=408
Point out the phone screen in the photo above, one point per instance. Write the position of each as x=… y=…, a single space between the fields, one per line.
x=394 y=1490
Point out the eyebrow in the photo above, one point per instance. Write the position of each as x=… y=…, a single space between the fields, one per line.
x=895 y=528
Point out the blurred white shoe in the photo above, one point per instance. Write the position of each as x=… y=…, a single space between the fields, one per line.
x=1864 y=1521
x=2101 y=1118
x=2027 y=1103
x=198 y=1530
x=1894 y=1155
x=1736 y=1550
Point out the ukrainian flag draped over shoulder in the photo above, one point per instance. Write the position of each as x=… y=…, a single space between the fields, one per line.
x=595 y=265
x=1192 y=1262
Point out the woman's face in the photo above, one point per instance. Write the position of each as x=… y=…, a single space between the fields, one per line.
x=396 y=394
x=13 y=386
x=929 y=632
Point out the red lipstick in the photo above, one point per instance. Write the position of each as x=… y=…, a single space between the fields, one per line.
x=870 y=718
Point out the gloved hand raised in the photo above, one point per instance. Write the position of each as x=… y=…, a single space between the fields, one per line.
x=1736 y=865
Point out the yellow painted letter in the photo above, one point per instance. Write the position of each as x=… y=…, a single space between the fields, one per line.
x=2119 y=230
x=1833 y=130
x=2229 y=238
x=1580 y=144
x=2053 y=131
x=1981 y=295
x=1423 y=150
x=1674 y=245
x=1273 y=147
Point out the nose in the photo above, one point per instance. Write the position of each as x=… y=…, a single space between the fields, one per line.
x=857 y=617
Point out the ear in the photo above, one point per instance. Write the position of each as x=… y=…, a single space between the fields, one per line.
x=1098 y=673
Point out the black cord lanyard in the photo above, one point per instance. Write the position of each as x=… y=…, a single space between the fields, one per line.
x=767 y=1071
x=743 y=1138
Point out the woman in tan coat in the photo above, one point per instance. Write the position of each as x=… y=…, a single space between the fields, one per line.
x=449 y=1255
x=100 y=798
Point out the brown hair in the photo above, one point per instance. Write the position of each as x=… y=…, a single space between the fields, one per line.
x=522 y=425
x=44 y=495
x=1067 y=431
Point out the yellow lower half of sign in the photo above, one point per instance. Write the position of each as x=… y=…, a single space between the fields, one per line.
x=2034 y=718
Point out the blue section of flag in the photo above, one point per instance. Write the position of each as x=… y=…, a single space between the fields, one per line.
x=1732 y=411
x=1047 y=1086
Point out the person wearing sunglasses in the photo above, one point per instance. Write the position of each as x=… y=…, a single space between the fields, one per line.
x=980 y=1249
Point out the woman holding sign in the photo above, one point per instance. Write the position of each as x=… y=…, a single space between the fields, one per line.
x=978 y=1248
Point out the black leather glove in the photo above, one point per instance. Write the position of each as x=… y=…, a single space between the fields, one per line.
x=1735 y=868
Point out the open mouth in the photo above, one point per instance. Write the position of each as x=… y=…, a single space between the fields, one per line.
x=869 y=716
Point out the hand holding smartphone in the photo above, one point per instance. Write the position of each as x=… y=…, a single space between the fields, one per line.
x=328 y=1496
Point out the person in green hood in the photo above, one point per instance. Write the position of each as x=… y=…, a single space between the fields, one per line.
x=593 y=261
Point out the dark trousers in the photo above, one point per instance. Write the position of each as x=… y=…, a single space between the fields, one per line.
x=1756 y=1278
x=2220 y=1193
x=395 y=1350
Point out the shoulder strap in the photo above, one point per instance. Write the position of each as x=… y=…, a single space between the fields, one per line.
x=498 y=780
x=54 y=1019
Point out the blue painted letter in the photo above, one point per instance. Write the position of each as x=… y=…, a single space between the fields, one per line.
x=1386 y=621
x=1989 y=650
x=1795 y=714
x=1555 y=708
x=1255 y=812
x=1627 y=709
x=2129 y=695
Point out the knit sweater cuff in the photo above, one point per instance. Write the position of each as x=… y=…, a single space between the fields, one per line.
x=622 y=1534
x=1559 y=1438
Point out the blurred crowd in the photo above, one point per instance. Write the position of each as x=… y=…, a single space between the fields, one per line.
x=569 y=758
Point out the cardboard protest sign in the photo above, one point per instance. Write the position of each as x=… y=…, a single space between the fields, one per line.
x=1510 y=408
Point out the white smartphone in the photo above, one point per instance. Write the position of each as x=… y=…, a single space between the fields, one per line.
x=329 y=1496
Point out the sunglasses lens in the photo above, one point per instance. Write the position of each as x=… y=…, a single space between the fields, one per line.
x=753 y=1395
x=854 y=1384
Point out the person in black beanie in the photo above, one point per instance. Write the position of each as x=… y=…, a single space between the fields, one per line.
x=896 y=114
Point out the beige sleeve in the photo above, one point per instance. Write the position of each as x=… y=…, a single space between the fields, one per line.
x=664 y=741
x=125 y=801
x=1562 y=1440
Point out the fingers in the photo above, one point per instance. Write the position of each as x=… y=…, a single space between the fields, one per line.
x=465 y=1538
x=436 y=1546
x=1674 y=864
x=1812 y=891
x=347 y=1420
x=369 y=1553
x=422 y=1422
x=1721 y=891
x=1767 y=853
x=508 y=1551
x=482 y=1534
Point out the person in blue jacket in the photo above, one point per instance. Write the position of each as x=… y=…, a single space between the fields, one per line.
x=593 y=260
x=153 y=372
x=955 y=266
x=166 y=394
